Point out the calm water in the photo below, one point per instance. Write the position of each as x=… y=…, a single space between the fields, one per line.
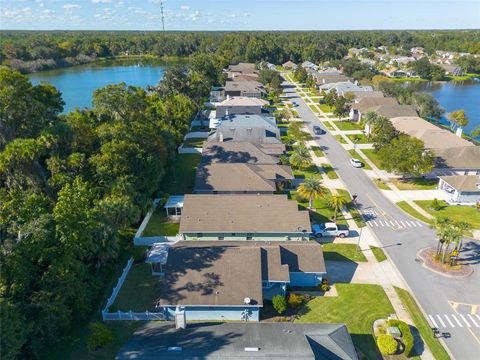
x=77 y=83
x=457 y=95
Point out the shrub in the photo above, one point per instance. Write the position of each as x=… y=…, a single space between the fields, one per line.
x=436 y=205
x=279 y=303
x=100 y=336
x=407 y=336
x=387 y=344
x=324 y=285
x=295 y=300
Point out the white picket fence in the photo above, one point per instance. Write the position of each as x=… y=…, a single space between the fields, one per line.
x=117 y=287
x=133 y=316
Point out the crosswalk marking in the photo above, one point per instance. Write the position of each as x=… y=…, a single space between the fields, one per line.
x=465 y=320
x=413 y=224
x=401 y=222
x=441 y=321
x=374 y=222
x=472 y=320
x=433 y=321
x=478 y=317
x=394 y=223
x=449 y=321
x=456 y=320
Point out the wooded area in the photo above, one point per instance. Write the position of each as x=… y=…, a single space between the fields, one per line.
x=29 y=51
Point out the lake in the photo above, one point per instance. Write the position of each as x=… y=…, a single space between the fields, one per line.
x=77 y=83
x=455 y=95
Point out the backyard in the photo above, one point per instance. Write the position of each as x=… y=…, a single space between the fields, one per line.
x=160 y=225
x=193 y=143
x=358 y=306
x=179 y=179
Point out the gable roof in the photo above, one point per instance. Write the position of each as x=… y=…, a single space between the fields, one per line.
x=239 y=177
x=242 y=68
x=366 y=94
x=463 y=182
x=394 y=110
x=463 y=157
x=242 y=101
x=242 y=214
x=365 y=104
x=237 y=152
x=246 y=86
x=209 y=341
x=289 y=63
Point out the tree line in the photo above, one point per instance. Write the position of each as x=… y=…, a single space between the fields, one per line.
x=70 y=188
x=29 y=51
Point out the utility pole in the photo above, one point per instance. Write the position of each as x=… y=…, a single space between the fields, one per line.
x=163 y=18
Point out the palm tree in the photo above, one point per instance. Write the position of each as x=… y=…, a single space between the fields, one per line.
x=301 y=158
x=310 y=189
x=336 y=203
x=440 y=224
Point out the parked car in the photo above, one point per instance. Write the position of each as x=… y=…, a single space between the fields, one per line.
x=317 y=130
x=356 y=163
x=330 y=229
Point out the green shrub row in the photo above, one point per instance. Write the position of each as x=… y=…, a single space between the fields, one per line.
x=407 y=336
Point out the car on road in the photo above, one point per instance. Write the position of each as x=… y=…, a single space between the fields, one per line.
x=356 y=163
x=317 y=130
x=330 y=229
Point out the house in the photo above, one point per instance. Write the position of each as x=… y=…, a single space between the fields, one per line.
x=322 y=78
x=359 y=95
x=417 y=50
x=244 y=88
x=363 y=105
x=217 y=94
x=453 y=154
x=289 y=65
x=271 y=66
x=241 y=152
x=238 y=105
x=344 y=87
x=391 y=111
x=309 y=65
x=241 y=68
x=255 y=341
x=242 y=217
x=451 y=69
x=401 y=60
x=229 y=280
x=257 y=129
x=241 y=178
x=461 y=189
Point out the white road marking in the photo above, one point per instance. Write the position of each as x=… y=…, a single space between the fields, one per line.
x=472 y=319
x=419 y=224
x=433 y=321
x=408 y=223
x=449 y=321
x=381 y=223
x=465 y=320
x=478 y=317
x=413 y=224
x=401 y=222
x=391 y=222
x=369 y=223
x=441 y=321
x=397 y=223
x=456 y=320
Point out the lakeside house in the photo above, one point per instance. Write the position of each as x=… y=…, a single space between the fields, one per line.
x=344 y=87
x=238 y=105
x=217 y=94
x=225 y=280
x=249 y=69
x=364 y=105
x=241 y=178
x=257 y=129
x=245 y=88
x=461 y=189
x=391 y=111
x=214 y=341
x=243 y=217
x=289 y=65
x=241 y=152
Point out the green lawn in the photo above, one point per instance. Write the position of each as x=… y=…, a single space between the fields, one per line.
x=317 y=151
x=326 y=109
x=347 y=125
x=356 y=155
x=372 y=155
x=453 y=212
x=180 y=178
x=194 y=142
x=328 y=169
x=140 y=291
x=358 y=306
x=378 y=253
x=343 y=252
x=323 y=213
x=411 y=211
x=328 y=125
x=159 y=225
x=313 y=108
x=340 y=139
x=422 y=325
x=359 y=139
x=415 y=184
x=357 y=217
x=311 y=171
x=381 y=184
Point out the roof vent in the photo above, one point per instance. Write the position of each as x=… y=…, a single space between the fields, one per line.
x=252 y=349
x=247 y=300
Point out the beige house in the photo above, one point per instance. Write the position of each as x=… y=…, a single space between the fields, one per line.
x=238 y=105
x=364 y=105
x=244 y=88
x=461 y=189
x=289 y=65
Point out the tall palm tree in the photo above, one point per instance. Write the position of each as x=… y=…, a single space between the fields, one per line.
x=440 y=224
x=336 y=203
x=301 y=158
x=311 y=188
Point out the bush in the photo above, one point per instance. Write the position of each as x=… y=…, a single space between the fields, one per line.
x=436 y=205
x=407 y=336
x=324 y=285
x=387 y=344
x=295 y=300
x=279 y=303
x=100 y=336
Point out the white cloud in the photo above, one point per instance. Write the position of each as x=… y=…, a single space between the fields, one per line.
x=185 y=7
x=101 y=1
x=71 y=6
x=246 y=14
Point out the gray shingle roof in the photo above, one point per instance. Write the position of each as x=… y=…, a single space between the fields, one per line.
x=463 y=182
x=237 y=152
x=229 y=340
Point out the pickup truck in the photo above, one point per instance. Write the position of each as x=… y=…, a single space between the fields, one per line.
x=330 y=229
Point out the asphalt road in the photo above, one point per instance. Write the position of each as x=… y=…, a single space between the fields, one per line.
x=434 y=292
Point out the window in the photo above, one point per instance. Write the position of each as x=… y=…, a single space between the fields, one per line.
x=233 y=234
x=221 y=238
x=249 y=236
x=199 y=235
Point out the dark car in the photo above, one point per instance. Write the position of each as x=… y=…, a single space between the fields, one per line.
x=317 y=130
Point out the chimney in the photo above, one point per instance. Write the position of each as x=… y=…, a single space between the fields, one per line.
x=220 y=137
x=226 y=112
x=459 y=132
x=180 y=318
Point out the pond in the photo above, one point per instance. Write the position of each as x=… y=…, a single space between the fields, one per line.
x=77 y=83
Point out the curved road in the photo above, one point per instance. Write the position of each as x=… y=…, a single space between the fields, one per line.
x=434 y=292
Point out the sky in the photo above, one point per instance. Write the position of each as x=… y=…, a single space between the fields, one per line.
x=239 y=14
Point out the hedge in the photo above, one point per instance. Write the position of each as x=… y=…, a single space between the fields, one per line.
x=387 y=344
x=407 y=337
